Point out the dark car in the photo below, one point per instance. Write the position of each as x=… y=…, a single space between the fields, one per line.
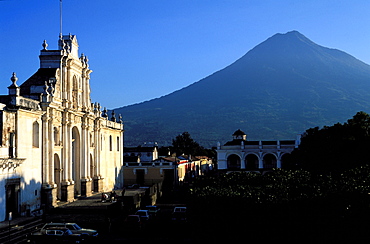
x=179 y=214
x=153 y=210
x=133 y=222
x=144 y=214
x=55 y=235
x=73 y=227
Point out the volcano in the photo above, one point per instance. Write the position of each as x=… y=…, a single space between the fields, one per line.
x=280 y=88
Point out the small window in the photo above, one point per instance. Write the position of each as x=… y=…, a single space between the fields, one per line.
x=110 y=143
x=91 y=140
x=56 y=137
x=35 y=134
x=117 y=143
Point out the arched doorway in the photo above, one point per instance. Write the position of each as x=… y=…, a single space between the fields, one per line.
x=57 y=175
x=93 y=173
x=92 y=167
x=269 y=161
x=286 y=161
x=233 y=162
x=76 y=165
x=251 y=162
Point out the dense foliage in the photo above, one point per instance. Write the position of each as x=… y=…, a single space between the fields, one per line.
x=280 y=186
x=184 y=144
x=285 y=204
x=324 y=189
x=335 y=148
x=283 y=196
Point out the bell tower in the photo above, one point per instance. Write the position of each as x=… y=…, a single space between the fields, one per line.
x=69 y=44
x=72 y=83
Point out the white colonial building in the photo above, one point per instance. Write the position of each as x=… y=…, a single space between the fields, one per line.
x=55 y=144
x=240 y=154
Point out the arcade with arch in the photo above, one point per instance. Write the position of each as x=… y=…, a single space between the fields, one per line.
x=240 y=154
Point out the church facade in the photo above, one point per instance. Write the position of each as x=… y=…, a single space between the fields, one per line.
x=56 y=144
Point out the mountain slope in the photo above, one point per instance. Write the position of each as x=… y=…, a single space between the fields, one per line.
x=280 y=88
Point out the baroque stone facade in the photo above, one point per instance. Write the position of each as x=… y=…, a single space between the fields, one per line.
x=56 y=144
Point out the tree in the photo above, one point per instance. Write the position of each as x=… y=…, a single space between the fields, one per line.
x=184 y=144
x=335 y=148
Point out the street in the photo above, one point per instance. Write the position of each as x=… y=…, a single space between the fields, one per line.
x=157 y=228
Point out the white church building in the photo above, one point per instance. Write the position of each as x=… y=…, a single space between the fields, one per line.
x=55 y=145
x=240 y=154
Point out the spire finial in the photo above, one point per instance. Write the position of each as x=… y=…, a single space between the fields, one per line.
x=104 y=115
x=46 y=88
x=113 y=118
x=82 y=57
x=14 y=79
x=45 y=45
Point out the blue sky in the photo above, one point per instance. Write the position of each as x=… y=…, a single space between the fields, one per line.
x=140 y=50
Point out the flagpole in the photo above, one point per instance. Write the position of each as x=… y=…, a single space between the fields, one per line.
x=61 y=43
x=61 y=18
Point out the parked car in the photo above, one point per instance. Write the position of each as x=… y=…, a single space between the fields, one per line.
x=55 y=235
x=134 y=186
x=144 y=215
x=133 y=222
x=179 y=214
x=153 y=210
x=179 y=210
x=73 y=227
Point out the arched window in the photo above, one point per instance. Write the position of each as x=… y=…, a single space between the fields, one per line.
x=35 y=134
x=117 y=143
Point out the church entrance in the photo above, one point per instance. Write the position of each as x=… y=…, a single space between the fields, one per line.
x=12 y=195
x=57 y=176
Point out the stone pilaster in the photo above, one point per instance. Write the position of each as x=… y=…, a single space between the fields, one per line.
x=68 y=192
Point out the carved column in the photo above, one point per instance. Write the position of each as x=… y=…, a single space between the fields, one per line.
x=85 y=179
x=50 y=153
x=98 y=186
x=67 y=183
x=50 y=156
x=45 y=149
x=278 y=162
x=64 y=149
x=260 y=160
